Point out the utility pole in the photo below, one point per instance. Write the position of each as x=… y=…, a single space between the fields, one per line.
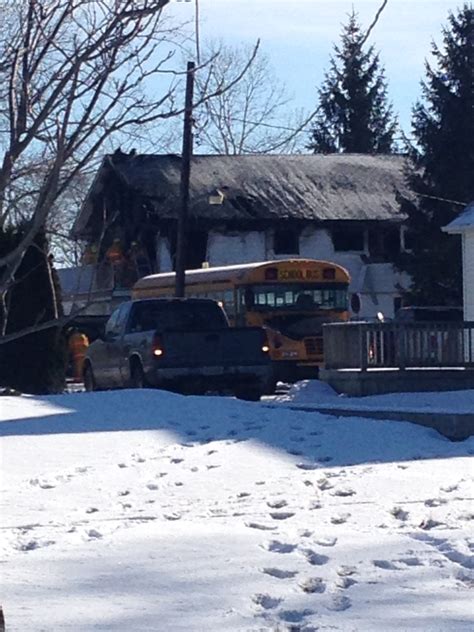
x=184 y=185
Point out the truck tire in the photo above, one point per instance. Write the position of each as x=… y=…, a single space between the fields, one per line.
x=89 y=379
x=137 y=375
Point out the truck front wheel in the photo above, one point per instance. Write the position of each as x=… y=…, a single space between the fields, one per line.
x=137 y=376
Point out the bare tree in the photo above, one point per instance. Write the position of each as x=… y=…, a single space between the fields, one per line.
x=254 y=116
x=74 y=74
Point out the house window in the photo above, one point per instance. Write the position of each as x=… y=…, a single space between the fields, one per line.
x=196 y=248
x=348 y=238
x=384 y=243
x=286 y=241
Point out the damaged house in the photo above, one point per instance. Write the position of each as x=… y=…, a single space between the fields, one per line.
x=247 y=208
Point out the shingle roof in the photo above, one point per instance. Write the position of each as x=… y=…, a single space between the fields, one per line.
x=306 y=187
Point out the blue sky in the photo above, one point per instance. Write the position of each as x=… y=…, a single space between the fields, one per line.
x=298 y=35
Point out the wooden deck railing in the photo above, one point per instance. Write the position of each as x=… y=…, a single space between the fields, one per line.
x=360 y=345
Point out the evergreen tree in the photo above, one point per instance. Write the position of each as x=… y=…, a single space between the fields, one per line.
x=443 y=126
x=354 y=115
x=34 y=363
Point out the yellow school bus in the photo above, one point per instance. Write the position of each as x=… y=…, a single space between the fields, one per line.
x=291 y=298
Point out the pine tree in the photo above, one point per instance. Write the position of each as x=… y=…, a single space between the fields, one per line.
x=355 y=115
x=443 y=159
x=34 y=363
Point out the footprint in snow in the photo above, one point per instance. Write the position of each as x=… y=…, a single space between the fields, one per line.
x=326 y=541
x=32 y=545
x=323 y=484
x=295 y=616
x=275 y=546
x=82 y=469
x=152 y=486
x=294 y=452
x=386 y=565
x=43 y=484
x=340 y=518
x=338 y=603
x=466 y=576
x=410 y=561
x=346 y=571
x=296 y=439
x=399 y=513
x=259 y=525
x=172 y=516
x=429 y=523
x=313 y=585
x=343 y=492
x=281 y=515
x=175 y=461
x=241 y=495
x=123 y=492
x=277 y=504
x=435 y=502
x=313 y=558
x=93 y=534
x=91 y=510
x=345 y=582
x=305 y=533
x=122 y=465
x=266 y=601
x=307 y=466
x=450 y=488
x=279 y=573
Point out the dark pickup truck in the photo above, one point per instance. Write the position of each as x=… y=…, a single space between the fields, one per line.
x=180 y=344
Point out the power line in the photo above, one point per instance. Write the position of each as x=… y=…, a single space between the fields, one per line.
x=297 y=129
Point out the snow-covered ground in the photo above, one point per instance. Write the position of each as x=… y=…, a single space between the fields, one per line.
x=149 y=511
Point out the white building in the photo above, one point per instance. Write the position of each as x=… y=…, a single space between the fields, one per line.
x=464 y=225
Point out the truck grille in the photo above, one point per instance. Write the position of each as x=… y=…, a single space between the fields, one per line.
x=314 y=346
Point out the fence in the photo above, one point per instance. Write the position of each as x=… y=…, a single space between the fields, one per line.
x=395 y=345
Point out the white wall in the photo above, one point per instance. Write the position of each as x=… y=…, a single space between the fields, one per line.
x=245 y=247
x=377 y=289
x=468 y=273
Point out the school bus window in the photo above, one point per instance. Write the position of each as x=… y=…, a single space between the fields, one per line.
x=299 y=296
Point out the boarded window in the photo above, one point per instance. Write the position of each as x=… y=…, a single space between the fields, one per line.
x=286 y=241
x=384 y=243
x=347 y=238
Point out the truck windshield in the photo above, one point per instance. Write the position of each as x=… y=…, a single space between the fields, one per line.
x=177 y=316
x=295 y=297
